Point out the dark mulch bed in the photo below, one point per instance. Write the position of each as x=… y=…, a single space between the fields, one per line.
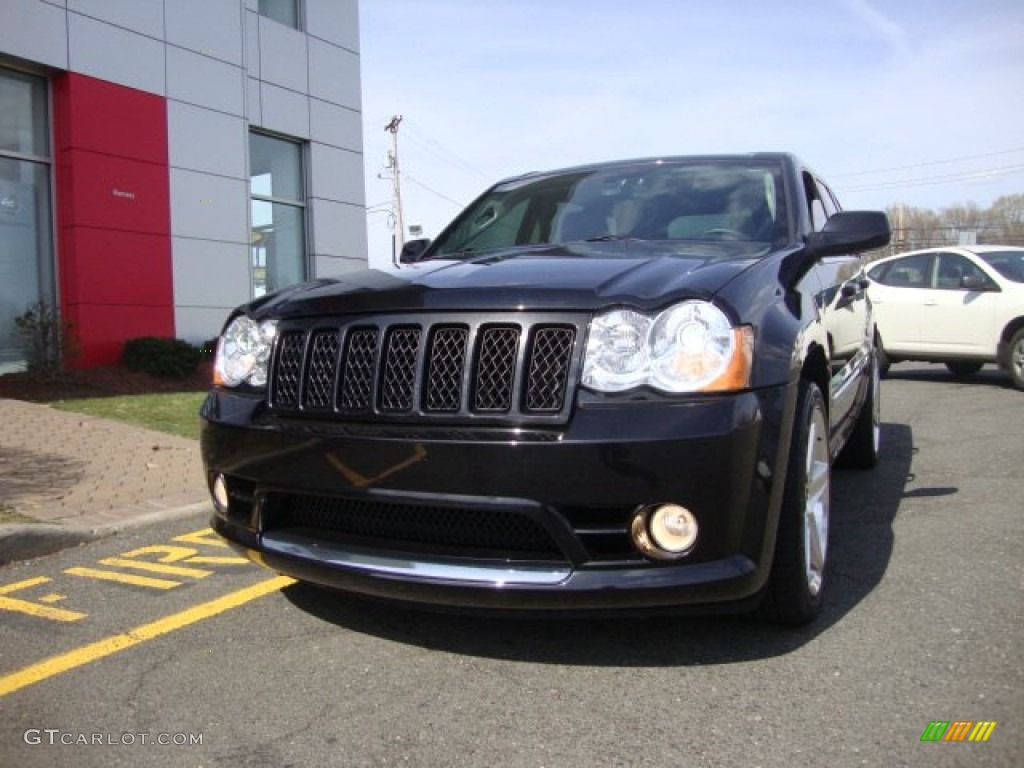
x=96 y=382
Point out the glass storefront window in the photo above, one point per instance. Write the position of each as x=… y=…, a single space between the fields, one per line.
x=23 y=125
x=278 y=206
x=26 y=244
x=282 y=11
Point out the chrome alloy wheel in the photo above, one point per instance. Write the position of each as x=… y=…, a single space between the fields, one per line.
x=816 y=495
x=876 y=406
x=1017 y=359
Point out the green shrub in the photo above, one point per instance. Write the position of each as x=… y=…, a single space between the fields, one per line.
x=164 y=357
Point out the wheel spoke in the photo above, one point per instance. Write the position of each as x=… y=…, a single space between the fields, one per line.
x=816 y=503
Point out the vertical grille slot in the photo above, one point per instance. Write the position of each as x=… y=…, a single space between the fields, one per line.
x=399 y=376
x=357 y=379
x=321 y=367
x=549 y=369
x=496 y=369
x=444 y=370
x=288 y=369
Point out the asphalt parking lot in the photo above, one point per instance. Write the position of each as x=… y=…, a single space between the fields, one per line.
x=159 y=647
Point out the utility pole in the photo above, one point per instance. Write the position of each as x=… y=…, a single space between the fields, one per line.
x=396 y=182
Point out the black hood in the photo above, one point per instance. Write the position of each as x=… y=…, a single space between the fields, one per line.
x=583 y=276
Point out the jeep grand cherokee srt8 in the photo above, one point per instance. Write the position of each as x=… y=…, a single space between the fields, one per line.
x=619 y=386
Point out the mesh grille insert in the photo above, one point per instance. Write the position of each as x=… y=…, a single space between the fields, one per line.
x=549 y=369
x=399 y=377
x=288 y=369
x=323 y=359
x=496 y=369
x=389 y=525
x=357 y=381
x=444 y=375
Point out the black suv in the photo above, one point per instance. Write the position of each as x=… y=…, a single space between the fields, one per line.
x=619 y=386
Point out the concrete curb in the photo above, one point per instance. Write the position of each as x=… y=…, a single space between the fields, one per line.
x=27 y=541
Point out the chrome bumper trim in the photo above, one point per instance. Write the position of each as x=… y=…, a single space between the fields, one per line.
x=494 y=575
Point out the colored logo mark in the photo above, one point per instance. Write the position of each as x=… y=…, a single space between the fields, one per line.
x=958 y=730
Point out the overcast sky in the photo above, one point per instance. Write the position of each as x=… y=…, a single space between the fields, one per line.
x=915 y=101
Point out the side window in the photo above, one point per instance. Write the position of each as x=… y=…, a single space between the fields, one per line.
x=819 y=203
x=493 y=227
x=911 y=272
x=951 y=270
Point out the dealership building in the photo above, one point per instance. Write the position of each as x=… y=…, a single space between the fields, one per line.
x=162 y=161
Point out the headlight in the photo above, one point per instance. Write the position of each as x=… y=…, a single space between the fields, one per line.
x=688 y=347
x=243 y=352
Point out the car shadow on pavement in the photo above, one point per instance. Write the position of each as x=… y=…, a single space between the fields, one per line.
x=989 y=376
x=864 y=506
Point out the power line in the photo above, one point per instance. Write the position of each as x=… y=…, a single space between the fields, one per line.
x=440 y=151
x=926 y=164
x=434 y=191
x=944 y=179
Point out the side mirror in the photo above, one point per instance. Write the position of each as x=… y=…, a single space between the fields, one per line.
x=850 y=232
x=413 y=250
x=844 y=232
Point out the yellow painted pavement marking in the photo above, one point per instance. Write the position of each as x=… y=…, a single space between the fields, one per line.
x=108 y=646
x=123 y=578
x=217 y=560
x=143 y=565
x=34 y=609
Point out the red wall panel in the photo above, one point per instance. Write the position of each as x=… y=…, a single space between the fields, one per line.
x=113 y=214
x=111 y=192
x=122 y=268
x=109 y=326
x=113 y=120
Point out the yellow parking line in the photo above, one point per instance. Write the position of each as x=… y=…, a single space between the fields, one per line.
x=143 y=565
x=123 y=578
x=78 y=657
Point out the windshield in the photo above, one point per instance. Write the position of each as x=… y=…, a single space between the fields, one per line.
x=667 y=200
x=1009 y=264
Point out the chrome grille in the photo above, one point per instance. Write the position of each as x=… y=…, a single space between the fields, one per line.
x=401 y=369
x=549 y=367
x=498 y=347
x=403 y=346
x=444 y=377
x=357 y=383
x=323 y=351
x=287 y=370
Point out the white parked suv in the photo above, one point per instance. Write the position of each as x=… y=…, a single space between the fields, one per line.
x=962 y=306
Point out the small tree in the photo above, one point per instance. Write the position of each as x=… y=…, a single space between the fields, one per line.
x=50 y=340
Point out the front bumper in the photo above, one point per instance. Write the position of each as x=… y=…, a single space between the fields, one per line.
x=507 y=519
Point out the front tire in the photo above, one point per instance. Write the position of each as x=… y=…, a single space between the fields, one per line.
x=1015 y=359
x=797 y=582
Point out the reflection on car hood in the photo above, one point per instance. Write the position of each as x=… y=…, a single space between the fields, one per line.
x=579 y=276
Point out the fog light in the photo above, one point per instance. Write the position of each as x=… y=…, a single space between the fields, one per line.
x=664 y=531
x=220 y=494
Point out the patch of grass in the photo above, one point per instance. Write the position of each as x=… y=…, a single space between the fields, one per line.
x=175 y=413
x=8 y=515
